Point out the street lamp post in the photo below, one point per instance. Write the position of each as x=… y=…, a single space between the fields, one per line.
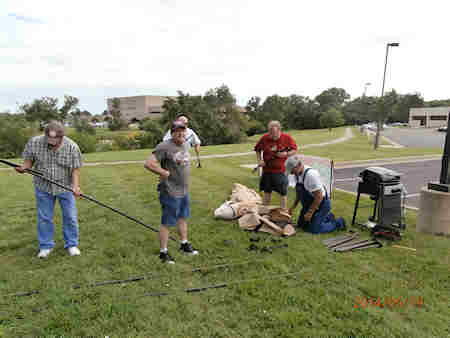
x=367 y=84
x=380 y=120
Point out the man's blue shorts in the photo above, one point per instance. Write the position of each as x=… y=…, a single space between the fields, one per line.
x=174 y=208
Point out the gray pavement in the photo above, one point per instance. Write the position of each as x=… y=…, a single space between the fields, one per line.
x=416 y=137
x=415 y=175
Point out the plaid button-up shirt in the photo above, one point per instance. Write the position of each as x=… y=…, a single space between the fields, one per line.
x=55 y=165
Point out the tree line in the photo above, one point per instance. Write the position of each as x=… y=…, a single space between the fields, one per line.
x=216 y=116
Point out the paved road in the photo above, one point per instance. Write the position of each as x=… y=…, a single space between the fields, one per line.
x=415 y=175
x=416 y=137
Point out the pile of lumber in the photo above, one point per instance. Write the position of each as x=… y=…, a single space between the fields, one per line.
x=245 y=205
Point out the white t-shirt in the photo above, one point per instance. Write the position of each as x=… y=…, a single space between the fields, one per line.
x=190 y=137
x=313 y=181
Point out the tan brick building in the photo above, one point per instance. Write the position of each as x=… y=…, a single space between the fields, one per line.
x=136 y=108
x=428 y=117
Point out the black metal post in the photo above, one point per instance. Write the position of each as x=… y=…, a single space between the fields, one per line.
x=445 y=177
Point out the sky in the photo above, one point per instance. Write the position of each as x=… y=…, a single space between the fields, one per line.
x=99 y=49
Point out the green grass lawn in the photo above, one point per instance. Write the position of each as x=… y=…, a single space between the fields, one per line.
x=300 y=136
x=358 y=148
x=301 y=290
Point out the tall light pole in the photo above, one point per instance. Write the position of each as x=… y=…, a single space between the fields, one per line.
x=380 y=120
x=367 y=84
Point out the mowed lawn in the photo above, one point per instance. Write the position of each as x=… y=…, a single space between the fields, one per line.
x=299 y=290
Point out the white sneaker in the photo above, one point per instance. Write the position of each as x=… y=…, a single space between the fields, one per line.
x=43 y=253
x=73 y=251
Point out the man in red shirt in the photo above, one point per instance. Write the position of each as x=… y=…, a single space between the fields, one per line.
x=276 y=147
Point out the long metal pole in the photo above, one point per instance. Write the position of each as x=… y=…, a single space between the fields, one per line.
x=365 y=88
x=39 y=174
x=379 y=122
x=385 y=66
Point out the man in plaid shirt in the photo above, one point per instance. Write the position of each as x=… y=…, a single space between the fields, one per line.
x=58 y=158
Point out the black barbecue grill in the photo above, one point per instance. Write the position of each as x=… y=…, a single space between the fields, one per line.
x=384 y=187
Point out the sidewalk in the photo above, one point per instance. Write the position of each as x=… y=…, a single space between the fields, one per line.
x=348 y=135
x=338 y=165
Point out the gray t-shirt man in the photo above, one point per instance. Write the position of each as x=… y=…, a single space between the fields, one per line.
x=175 y=159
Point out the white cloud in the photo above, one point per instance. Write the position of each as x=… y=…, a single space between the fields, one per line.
x=254 y=47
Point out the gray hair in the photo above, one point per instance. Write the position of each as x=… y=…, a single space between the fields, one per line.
x=292 y=162
x=55 y=126
x=272 y=124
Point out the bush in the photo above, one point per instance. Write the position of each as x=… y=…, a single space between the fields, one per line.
x=153 y=128
x=105 y=145
x=83 y=126
x=14 y=134
x=255 y=127
x=86 y=142
x=146 y=140
x=125 y=142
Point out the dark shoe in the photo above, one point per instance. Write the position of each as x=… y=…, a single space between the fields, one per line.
x=188 y=249
x=166 y=258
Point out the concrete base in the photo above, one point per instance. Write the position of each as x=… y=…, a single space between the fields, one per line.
x=434 y=212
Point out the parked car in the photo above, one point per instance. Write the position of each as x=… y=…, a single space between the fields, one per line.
x=442 y=129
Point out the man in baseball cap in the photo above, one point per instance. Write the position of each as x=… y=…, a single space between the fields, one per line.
x=315 y=216
x=191 y=138
x=177 y=124
x=171 y=162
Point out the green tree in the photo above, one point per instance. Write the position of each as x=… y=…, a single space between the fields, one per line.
x=153 y=132
x=214 y=116
x=116 y=122
x=331 y=119
x=219 y=97
x=438 y=103
x=46 y=109
x=400 y=111
x=70 y=103
x=218 y=118
x=41 y=110
x=14 y=134
x=82 y=125
x=301 y=113
x=360 y=110
x=253 y=107
x=274 y=108
x=332 y=98
x=182 y=104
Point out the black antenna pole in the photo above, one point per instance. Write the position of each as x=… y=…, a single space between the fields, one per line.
x=41 y=175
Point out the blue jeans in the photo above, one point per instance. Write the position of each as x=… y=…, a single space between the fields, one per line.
x=45 y=204
x=174 y=208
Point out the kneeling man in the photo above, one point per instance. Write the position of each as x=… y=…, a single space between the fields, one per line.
x=315 y=216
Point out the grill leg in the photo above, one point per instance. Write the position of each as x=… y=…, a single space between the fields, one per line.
x=356 y=207
x=374 y=211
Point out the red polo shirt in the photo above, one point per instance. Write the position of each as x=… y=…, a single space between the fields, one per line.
x=270 y=146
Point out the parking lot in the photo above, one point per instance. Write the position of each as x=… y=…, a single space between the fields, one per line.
x=416 y=137
x=414 y=176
